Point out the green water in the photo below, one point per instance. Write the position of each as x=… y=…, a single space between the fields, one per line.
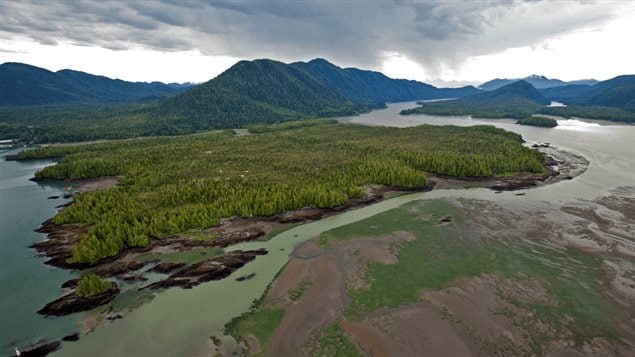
x=26 y=284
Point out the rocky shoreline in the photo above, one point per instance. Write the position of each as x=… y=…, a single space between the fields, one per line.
x=71 y=302
x=217 y=268
x=61 y=239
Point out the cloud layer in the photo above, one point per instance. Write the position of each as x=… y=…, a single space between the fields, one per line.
x=436 y=34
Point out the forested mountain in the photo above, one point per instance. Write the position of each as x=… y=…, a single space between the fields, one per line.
x=374 y=88
x=268 y=91
x=257 y=91
x=25 y=85
x=260 y=91
x=539 y=82
x=517 y=100
x=564 y=94
x=617 y=92
x=519 y=90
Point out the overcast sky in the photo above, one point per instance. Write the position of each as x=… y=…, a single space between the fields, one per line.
x=432 y=41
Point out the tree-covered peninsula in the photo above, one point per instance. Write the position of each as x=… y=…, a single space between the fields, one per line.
x=173 y=184
x=538 y=121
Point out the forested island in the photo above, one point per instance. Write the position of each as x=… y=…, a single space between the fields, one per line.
x=172 y=185
x=538 y=121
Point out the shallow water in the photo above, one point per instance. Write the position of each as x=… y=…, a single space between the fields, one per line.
x=180 y=322
x=26 y=284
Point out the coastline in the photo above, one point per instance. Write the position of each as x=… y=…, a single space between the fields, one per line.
x=237 y=230
x=61 y=239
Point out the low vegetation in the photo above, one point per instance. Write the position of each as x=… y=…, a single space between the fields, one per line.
x=440 y=254
x=173 y=185
x=333 y=342
x=538 y=121
x=91 y=284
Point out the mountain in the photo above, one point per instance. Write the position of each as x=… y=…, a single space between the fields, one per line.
x=374 y=88
x=617 y=92
x=564 y=94
x=585 y=82
x=539 y=82
x=256 y=91
x=269 y=91
x=516 y=100
x=25 y=85
x=520 y=90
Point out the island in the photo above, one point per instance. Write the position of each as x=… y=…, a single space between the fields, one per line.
x=538 y=121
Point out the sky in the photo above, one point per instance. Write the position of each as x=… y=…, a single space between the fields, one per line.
x=446 y=43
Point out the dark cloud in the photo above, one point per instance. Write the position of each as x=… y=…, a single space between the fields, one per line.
x=434 y=33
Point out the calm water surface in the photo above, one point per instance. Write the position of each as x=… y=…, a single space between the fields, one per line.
x=26 y=284
x=180 y=322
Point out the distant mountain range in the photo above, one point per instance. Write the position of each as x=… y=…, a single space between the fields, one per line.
x=613 y=99
x=539 y=82
x=516 y=100
x=26 y=85
x=43 y=106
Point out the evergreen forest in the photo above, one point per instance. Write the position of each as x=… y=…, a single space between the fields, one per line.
x=174 y=184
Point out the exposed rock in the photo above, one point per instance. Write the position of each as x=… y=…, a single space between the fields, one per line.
x=118 y=267
x=71 y=303
x=71 y=337
x=245 y=277
x=238 y=236
x=212 y=269
x=134 y=278
x=114 y=317
x=54 y=197
x=71 y=284
x=301 y=215
x=60 y=243
x=41 y=348
x=165 y=267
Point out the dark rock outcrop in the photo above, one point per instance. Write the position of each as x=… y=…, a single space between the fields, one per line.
x=71 y=337
x=118 y=267
x=244 y=235
x=71 y=303
x=212 y=269
x=165 y=267
x=41 y=348
x=70 y=284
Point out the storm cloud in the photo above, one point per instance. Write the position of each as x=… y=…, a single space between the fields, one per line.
x=360 y=33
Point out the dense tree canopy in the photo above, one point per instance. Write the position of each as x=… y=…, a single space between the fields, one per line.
x=92 y=284
x=171 y=185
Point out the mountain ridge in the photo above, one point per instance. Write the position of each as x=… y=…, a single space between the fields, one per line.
x=538 y=81
x=26 y=85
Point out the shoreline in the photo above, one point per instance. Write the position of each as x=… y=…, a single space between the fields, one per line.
x=237 y=230
x=61 y=239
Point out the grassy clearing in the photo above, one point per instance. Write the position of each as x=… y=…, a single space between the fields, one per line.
x=333 y=342
x=261 y=324
x=260 y=321
x=188 y=257
x=440 y=255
